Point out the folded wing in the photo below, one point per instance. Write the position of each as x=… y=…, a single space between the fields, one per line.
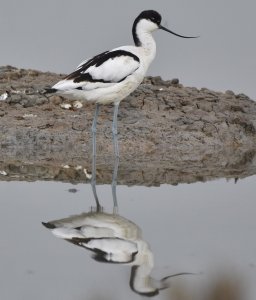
x=103 y=70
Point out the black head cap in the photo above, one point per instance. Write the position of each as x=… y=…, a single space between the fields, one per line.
x=150 y=15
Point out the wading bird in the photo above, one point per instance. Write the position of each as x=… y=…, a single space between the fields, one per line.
x=112 y=75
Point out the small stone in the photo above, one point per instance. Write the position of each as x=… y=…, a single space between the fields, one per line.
x=175 y=81
x=73 y=190
x=229 y=92
x=57 y=100
x=88 y=175
x=33 y=73
x=65 y=166
x=66 y=106
x=156 y=80
x=25 y=116
x=187 y=109
x=40 y=101
x=29 y=102
x=78 y=126
x=77 y=104
x=4 y=96
x=78 y=168
x=206 y=106
x=242 y=96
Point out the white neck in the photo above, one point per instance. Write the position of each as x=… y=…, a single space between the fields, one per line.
x=142 y=35
x=148 y=43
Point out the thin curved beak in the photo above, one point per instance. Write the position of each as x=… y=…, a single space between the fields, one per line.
x=182 y=36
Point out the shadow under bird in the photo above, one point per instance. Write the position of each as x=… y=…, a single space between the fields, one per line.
x=111 y=76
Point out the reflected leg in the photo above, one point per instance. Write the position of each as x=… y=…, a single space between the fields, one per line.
x=114 y=130
x=114 y=183
x=93 y=180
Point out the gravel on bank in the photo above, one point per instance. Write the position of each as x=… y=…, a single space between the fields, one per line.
x=162 y=126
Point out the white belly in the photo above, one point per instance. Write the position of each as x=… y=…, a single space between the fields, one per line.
x=110 y=94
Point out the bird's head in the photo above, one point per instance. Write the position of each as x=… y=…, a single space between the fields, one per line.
x=149 y=21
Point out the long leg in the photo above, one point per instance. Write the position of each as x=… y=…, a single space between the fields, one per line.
x=113 y=184
x=94 y=129
x=93 y=180
x=114 y=130
x=116 y=149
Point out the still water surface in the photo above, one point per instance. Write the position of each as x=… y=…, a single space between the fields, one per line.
x=203 y=228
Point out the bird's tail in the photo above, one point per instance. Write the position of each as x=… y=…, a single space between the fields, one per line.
x=48 y=225
x=49 y=91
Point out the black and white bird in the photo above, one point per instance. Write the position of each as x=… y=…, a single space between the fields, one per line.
x=112 y=75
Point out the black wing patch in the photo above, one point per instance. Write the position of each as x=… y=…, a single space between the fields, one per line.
x=80 y=75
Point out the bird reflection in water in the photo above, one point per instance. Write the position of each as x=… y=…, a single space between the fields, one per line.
x=112 y=239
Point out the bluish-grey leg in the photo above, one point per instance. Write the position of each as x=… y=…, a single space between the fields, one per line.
x=114 y=183
x=116 y=149
x=93 y=180
x=94 y=129
x=114 y=130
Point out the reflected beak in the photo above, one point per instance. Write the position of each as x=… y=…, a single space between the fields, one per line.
x=185 y=37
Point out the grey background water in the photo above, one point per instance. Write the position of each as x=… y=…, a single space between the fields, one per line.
x=57 y=35
x=197 y=227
